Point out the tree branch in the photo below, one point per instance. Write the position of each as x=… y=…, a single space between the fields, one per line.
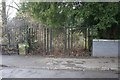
x=13 y=7
x=16 y=4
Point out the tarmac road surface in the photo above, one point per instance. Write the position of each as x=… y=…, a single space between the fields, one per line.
x=41 y=73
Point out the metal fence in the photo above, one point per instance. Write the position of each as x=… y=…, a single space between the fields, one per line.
x=47 y=41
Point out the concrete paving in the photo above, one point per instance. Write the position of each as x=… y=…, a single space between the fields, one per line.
x=60 y=63
x=41 y=73
x=15 y=66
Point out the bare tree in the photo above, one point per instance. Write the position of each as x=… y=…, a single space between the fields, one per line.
x=12 y=5
x=4 y=17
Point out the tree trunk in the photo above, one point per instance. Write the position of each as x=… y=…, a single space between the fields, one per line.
x=69 y=41
x=65 y=40
x=4 y=18
x=45 y=39
x=89 y=40
x=51 y=39
x=85 y=39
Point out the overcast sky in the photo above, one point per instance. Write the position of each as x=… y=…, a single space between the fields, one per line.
x=11 y=11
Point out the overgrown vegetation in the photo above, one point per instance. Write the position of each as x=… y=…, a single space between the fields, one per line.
x=63 y=27
x=103 y=17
